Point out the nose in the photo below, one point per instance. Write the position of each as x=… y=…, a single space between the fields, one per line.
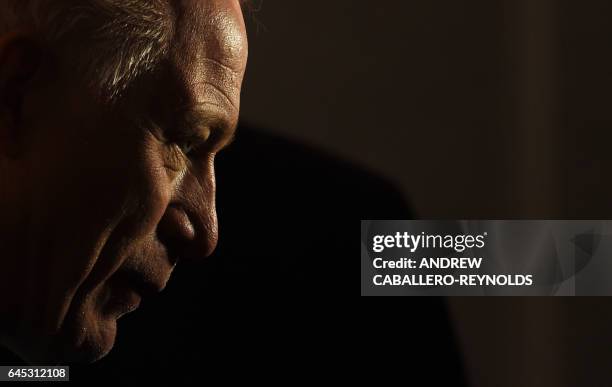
x=189 y=227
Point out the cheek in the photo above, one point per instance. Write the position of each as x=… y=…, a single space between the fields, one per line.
x=90 y=207
x=91 y=192
x=79 y=199
x=93 y=215
x=130 y=195
x=151 y=188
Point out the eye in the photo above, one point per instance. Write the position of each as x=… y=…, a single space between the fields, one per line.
x=189 y=143
x=187 y=146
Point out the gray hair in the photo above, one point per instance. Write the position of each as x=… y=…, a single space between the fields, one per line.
x=124 y=37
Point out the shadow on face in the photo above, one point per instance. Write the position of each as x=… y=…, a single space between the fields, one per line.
x=103 y=199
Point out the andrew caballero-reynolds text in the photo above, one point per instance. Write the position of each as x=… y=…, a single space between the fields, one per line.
x=437 y=271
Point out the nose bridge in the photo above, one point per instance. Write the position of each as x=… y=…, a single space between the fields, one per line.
x=191 y=218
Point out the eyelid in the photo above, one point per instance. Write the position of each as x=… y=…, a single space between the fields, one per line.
x=195 y=141
x=216 y=139
x=207 y=133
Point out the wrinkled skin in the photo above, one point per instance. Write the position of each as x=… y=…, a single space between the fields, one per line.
x=100 y=202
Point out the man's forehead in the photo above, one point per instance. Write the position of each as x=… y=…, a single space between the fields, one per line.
x=203 y=68
x=197 y=75
x=210 y=47
x=213 y=28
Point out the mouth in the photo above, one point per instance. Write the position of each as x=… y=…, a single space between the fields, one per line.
x=127 y=289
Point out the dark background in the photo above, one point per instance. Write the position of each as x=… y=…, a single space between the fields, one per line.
x=490 y=109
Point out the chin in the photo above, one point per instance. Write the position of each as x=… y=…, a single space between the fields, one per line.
x=83 y=342
x=91 y=328
x=88 y=331
x=87 y=339
x=98 y=342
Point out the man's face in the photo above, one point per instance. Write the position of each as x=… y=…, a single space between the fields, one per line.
x=105 y=200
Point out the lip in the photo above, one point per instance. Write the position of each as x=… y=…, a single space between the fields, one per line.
x=137 y=282
x=127 y=289
x=123 y=301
